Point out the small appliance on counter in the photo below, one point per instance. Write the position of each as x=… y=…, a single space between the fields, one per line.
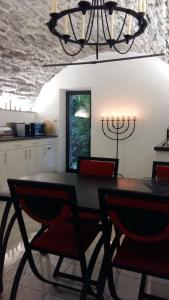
x=5 y=131
x=37 y=129
x=27 y=129
x=22 y=129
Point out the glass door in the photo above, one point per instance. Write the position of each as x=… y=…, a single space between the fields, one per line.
x=78 y=127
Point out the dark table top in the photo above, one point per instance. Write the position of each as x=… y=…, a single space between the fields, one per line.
x=87 y=186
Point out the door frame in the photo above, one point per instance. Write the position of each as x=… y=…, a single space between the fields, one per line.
x=68 y=94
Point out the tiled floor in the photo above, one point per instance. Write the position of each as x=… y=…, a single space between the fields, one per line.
x=127 y=283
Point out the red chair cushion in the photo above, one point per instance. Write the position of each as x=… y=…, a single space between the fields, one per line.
x=62 y=239
x=162 y=172
x=90 y=217
x=146 y=258
x=98 y=168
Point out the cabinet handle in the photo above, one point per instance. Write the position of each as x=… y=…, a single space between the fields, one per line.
x=26 y=156
x=49 y=148
x=45 y=150
x=5 y=158
x=30 y=153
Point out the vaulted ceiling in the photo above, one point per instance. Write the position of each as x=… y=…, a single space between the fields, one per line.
x=26 y=43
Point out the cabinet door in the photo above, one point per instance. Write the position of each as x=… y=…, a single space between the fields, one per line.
x=35 y=159
x=16 y=163
x=50 y=157
x=3 y=166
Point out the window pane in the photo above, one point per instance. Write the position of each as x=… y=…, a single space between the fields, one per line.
x=78 y=127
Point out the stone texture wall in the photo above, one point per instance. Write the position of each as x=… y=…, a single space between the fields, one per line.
x=26 y=43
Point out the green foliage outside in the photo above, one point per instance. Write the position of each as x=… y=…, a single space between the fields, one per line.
x=79 y=129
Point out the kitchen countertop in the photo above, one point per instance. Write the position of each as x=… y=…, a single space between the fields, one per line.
x=163 y=146
x=19 y=138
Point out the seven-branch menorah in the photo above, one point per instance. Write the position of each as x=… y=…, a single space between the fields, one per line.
x=118 y=129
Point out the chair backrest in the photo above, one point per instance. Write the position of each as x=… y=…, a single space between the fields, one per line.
x=160 y=170
x=97 y=166
x=47 y=203
x=142 y=217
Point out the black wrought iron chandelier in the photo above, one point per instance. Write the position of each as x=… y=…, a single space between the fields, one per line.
x=97 y=24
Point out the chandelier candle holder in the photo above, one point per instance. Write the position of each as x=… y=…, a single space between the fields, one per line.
x=118 y=128
x=97 y=24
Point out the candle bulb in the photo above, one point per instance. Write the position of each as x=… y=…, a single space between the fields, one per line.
x=107 y=118
x=102 y=117
x=54 y=6
x=130 y=25
x=83 y=27
x=112 y=26
x=140 y=5
x=144 y=6
x=112 y=118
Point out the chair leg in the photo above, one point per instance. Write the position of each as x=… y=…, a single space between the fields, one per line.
x=111 y=284
x=84 y=274
x=3 y=249
x=90 y=268
x=56 y=271
x=2 y=231
x=142 y=287
x=18 y=277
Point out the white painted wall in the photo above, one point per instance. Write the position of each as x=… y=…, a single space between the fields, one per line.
x=16 y=116
x=138 y=87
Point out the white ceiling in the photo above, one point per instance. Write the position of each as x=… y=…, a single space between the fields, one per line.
x=26 y=43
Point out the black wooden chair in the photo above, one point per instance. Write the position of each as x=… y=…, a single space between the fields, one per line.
x=143 y=220
x=160 y=170
x=50 y=204
x=96 y=166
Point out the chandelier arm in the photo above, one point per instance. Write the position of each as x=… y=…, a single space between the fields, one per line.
x=125 y=52
x=107 y=23
x=122 y=27
x=103 y=25
x=90 y=25
x=68 y=53
x=71 y=24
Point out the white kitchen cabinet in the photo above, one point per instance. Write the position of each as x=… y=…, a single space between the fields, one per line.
x=50 y=157
x=26 y=157
x=3 y=166
x=16 y=162
x=35 y=159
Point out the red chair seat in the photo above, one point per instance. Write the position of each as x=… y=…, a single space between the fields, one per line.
x=90 y=217
x=62 y=239
x=146 y=258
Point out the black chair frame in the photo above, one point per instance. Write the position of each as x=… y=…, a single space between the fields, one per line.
x=28 y=249
x=5 y=231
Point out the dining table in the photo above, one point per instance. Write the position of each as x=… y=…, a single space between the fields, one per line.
x=87 y=196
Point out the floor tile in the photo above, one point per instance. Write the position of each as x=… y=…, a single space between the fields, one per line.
x=127 y=287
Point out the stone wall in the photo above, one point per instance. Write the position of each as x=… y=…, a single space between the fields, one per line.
x=26 y=43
